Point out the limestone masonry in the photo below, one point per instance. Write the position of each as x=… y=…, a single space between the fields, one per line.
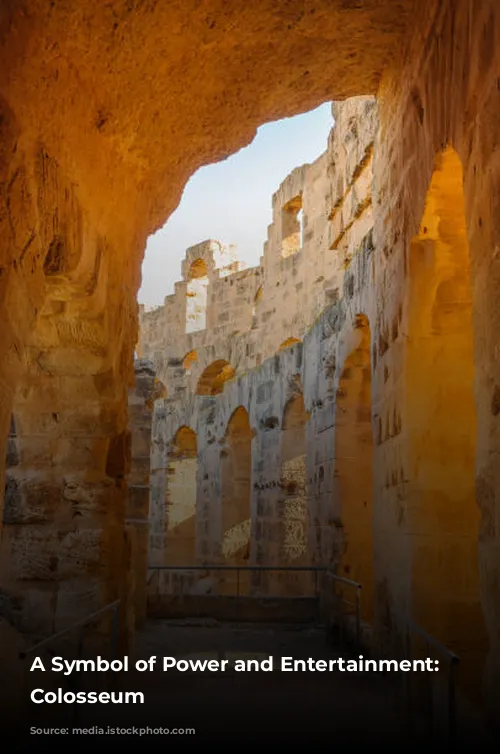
x=246 y=355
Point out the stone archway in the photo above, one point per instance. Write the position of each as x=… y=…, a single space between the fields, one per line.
x=288 y=343
x=189 y=359
x=214 y=376
x=180 y=545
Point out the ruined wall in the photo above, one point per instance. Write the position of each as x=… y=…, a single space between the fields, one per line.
x=214 y=376
x=251 y=314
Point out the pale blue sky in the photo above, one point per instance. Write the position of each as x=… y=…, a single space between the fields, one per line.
x=230 y=201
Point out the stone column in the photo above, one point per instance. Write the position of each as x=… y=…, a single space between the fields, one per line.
x=324 y=538
x=266 y=542
x=63 y=548
x=158 y=488
x=141 y=403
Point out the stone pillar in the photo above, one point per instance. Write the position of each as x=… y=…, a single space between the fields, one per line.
x=324 y=534
x=266 y=540
x=209 y=485
x=158 y=488
x=141 y=403
x=63 y=545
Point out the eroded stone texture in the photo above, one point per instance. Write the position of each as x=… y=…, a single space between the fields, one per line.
x=407 y=300
x=103 y=118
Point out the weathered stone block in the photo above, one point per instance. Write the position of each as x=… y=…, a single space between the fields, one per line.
x=30 y=501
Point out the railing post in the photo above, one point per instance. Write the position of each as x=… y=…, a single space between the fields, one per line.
x=342 y=623
x=407 y=679
x=114 y=633
x=81 y=640
x=26 y=688
x=358 y=617
x=452 y=710
x=316 y=594
x=431 y=694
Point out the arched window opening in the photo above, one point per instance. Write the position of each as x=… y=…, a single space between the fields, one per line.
x=354 y=450
x=196 y=296
x=214 y=377
x=256 y=301
x=181 y=499
x=189 y=359
x=291 y=226
x=288 y=343
x=160 y=391
x=236 y=473
x=443 y=516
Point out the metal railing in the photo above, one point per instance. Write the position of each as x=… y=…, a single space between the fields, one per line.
x=79 y=627
x=238 y=570
x=332 y=608
x=336 y=607
x=354 y=606
x=420 y=702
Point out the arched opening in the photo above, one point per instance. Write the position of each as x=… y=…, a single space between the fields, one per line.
x=291 y=226
x=214 y=377
x=441 y=424
x=236 y=473
x=196 y=296
x=287 y=343
x=160 y=391
x=257 y=299
x=189 y=359
x=354 y=466
x=180 y=546
x=293 y=505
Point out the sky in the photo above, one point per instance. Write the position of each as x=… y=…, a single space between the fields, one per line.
x=230 y=201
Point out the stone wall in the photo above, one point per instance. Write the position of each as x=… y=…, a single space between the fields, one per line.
x=413 y=286
x=251 y=314
x=437 y=169
x=103 y=118
x=271 y=365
